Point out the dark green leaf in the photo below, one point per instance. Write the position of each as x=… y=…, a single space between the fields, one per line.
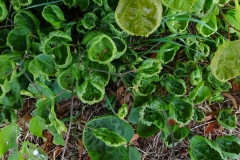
x=54 y=15
x=227 y=119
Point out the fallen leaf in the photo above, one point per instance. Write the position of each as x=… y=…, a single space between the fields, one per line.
x=235 y=85
x=57 y=151
x=209 y=117
x=231 y=98
x=210 y=127
x=80 y=152
x=120 y=93
x=171 y=122
x=48 y=136
x=134 y=138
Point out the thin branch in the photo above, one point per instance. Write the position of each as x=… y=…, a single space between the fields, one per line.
x=225 y=19
x=171 y=134
x=70 y=123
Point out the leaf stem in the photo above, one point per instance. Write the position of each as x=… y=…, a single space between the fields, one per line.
x=225 y=19
x=70 y=123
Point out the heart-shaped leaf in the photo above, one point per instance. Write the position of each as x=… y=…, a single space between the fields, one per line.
x=140 y=18
x=225 y=63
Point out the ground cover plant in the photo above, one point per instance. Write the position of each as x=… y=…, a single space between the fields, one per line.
x=152 y=65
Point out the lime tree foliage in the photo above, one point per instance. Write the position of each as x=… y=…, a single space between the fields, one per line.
x=50 y=48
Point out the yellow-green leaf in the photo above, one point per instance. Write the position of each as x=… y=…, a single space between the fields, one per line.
x=225 y=63
x=139 y=17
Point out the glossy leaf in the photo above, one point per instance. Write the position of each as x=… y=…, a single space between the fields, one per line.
x=3 y=11
x=19 y=39
x=225 y=63
x=180 y=5
x=54 y=15
x=204 y=149
x=36 y=126
x=28 y=20
x=8 y=138
x=96 y=148
x=181 y=110
x=140 y=18
x=230 y=146
x=227 y=119
x=173 y=85
x=109 y=138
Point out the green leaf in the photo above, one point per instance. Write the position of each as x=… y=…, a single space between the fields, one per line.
x=28 y=20
x=59 y=125
x=56 y=44
x=123 y=111
x=237 y=16
x=19 y=39
x=134 y=115
x=8 y=138
x=143 y=86
x=199 y=115
x=230 y=146
x=36 y=126
x=140 y=18
x=134 y=153
x=210 y=21
x=178 y=133
x=90 y=92
x=89 y=21
x=67 y=77
x=225 y=63
x=121 y=46
x=45 y=64
x=196 y=76
x=39 y=89
x=102 y=49
x=150 y=67
x=181 y=110
x=3 y=11
x=33 y=152
x=96 y=148
x=54 y=15
x=57 y=138
x=227 y=119
x=204 y=149
x=204 y=8
x=173 y=85
x=6 y=69
x=83 y=4
x=178 y=24
x=167 y=52
x=180 y=5
x=3 y=38
x=145 y=131
x=109 y=138
x=98 y=2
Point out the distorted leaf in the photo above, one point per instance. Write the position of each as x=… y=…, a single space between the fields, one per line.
x=123 y=111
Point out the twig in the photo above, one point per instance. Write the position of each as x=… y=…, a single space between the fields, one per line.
x=225 y=19
x=70 y=124
x=171 y=133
